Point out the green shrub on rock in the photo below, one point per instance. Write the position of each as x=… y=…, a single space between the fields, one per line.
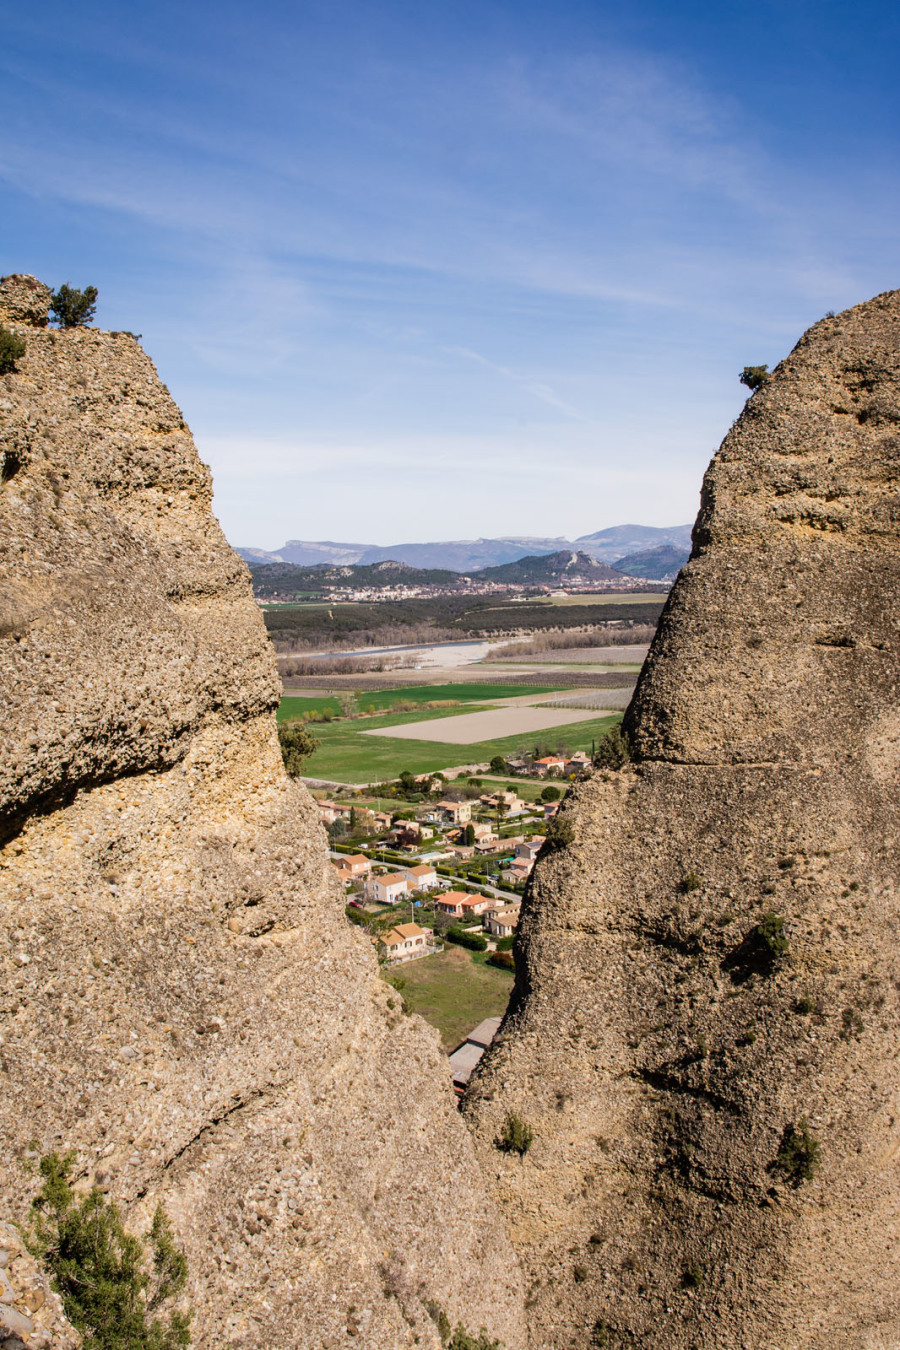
x=797 y=1159
x=515 y=1136
x=464 y=1340
x=11 y=349
x=754 y=377
x=614 y=749
x=113 y=1290
x=559 y=833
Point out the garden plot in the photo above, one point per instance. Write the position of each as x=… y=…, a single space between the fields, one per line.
x=484 y=726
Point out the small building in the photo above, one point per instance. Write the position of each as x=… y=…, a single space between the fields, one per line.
x=406 y=941
x=518 y=870
x=358 y=863
x=451 y=902
x=501 y=923
x=548 y=763
x=489 y=844
x=388 y=889
x=529 y=849
x=330 y=811
x=477 y=904
x=465 y=1057
x=457 y=813
x=344 y=874
x=421 y=878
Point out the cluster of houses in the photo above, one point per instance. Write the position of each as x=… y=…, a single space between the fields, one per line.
x=405 y=941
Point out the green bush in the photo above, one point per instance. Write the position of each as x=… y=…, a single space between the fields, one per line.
x=613 y=750
x=70 y=307
x=297 y=744
x=754 y=377
x=502 y=960
x=474 y=941
x=11 y=349
x=559 y=833
x=771 y=937
x=113 y=1291
x=499 y=765
x=464 y=1340
x=550 y=794
x=505 y=944
x=515 y=1136
x=797 y=1159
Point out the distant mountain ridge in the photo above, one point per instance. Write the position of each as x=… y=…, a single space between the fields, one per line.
x=566 y=568
x=474 y=555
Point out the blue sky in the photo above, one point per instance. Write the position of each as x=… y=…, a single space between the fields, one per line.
x=431 y=270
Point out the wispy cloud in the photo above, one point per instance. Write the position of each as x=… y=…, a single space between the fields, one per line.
x=530 y=386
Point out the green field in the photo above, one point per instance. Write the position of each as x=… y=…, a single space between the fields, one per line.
x=345 y=755
x=295 y=706
x=454 y=992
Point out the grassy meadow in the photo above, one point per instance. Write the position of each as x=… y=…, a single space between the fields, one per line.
x=454 y=992
x=295 y=705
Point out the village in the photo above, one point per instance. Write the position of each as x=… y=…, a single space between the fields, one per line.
x=446 y=860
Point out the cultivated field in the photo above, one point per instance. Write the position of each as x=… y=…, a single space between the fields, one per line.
x=607 y=598
x=601 y=699
x=347 y=755
x=470 y=728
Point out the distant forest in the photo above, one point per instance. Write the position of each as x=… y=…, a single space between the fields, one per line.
x=295 y=628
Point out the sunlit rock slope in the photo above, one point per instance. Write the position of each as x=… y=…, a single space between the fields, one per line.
x=182 y=1001
x=705 y=1040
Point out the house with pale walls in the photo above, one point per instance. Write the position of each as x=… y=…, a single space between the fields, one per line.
x=476 y=905
x=388 y=889
x=406 y=941
x=421 y=877
x=530 y=848
x=518 y=870
x=457 y=813
x=500 y=923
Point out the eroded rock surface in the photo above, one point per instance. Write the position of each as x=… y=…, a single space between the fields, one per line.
x=182 y=1001
x=31 y=1315
x=717 y=1123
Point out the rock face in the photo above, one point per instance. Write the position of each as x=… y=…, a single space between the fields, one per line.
x=31 y=1315
x=182 y=1000
x=705 y=1036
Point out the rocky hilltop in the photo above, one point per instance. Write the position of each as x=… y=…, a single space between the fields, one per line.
x=705 y=1033
x=182 y=1001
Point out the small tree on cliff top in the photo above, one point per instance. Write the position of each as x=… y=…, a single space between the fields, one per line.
x=754 y=377
x=70 y=307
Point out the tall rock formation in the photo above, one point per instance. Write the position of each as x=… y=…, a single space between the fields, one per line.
x=705 y=1037
x=182 y=1001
